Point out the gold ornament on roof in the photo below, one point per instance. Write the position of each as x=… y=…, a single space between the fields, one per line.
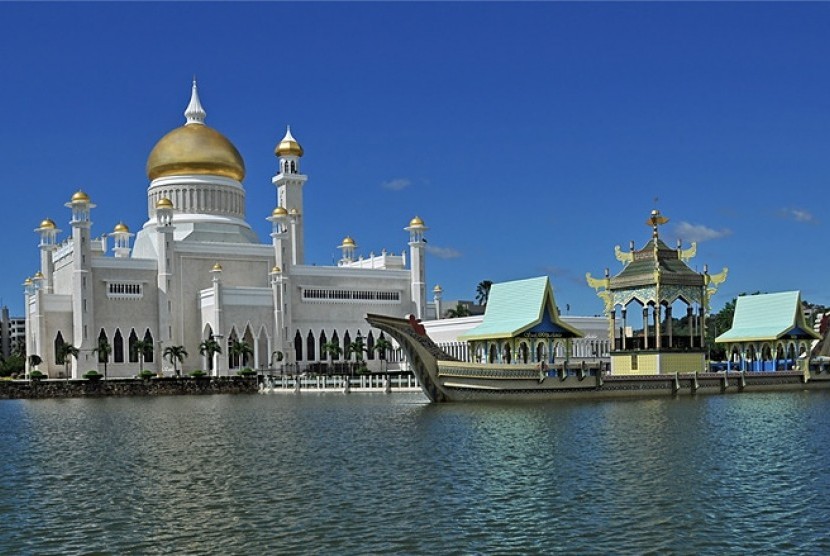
x=416 y=222
x=217 y=268
x=80 y=197
x=279 y=211
x=348 y=242
x=655 y=220
x=47 y=224
x=121 y=228
x=288 y=146
x=276 y=270
x=164 y=203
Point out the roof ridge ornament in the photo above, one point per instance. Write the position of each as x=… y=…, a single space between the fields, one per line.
x=194 y=112
x=655 y=220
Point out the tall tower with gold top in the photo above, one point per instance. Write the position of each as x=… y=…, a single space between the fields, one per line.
x=83 y=311
x=652 y=281
x=289 y=183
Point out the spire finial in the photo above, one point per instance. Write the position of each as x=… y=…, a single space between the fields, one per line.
x=194 y=113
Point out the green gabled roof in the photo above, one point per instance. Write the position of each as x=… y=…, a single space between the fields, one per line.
x=514 y=307
x=767 y=317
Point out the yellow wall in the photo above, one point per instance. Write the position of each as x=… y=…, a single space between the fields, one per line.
x=656 y=363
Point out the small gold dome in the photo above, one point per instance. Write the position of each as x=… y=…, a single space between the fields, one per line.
x=416 y=222
x=38 y=275
x=27 y=282
x=276 y=270
x=438 y=289
x=121 y=228
x=195 y=149
x=348 y=242
x=80 y=197
x=279 y=211
x=294 y=212
x=47 y=224
x=288 y=146
x=217 y=268
x=164 y=203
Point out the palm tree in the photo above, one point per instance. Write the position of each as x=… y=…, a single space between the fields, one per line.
x=209 y=348
x=142 y=348
x=460 y=310
x=104 y=349
x=483 y=291
x=356 y=348
x=332 y=350
x=382 y=347
x=175 y=354
x=65 y=351
x=240 y=350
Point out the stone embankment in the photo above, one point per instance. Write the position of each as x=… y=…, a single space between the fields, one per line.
x=35 y=389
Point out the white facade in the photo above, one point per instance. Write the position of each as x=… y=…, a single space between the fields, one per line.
x=197 y=271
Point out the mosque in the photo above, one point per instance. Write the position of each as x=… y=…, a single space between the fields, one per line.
x=196 y=271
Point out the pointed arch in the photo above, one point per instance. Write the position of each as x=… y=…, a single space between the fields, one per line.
x=298 y=346
x=321 y=343
x=118 y=347
x=336 y=340
x=102 y=338
x=131 y=351
x=233 y=358
x=346 y=341
x=59 y=343
x=310 y=344
x=370 y=346
x=263 y=355
x=248 y=338
x=148 y=353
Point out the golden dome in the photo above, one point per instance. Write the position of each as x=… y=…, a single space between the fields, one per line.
x=195 y=149
x=288 y=146
x=217 y=268
x=164 y=203
x=47 y=224
x=416 y=222
x=294 y=212
x=438 y=289
x=38 y=275
x=279 y=211
x=348 y=242
x=276 y=270
x=121 y=228
x=80 y=197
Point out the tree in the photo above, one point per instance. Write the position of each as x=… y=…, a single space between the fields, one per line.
x=356 y=348
x=176 y=355
x=483 y=291
x=332 y=350
x=65 y=351
x=382 y=347
x=240 y=350
x=35 y=360
x=209 y=348
x=460 y=310
x=142 y=348
x=104 y=349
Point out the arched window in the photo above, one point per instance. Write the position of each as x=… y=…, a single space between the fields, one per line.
x=336 y=341
x=506 y=355
x=493 y=354
x=148 y=353
x=117 y=347
x=298 y=346
x=102 y=339
x=370 y=346
x=322 y=343
x=58 y=347
x=133 y=353
x=310 y=346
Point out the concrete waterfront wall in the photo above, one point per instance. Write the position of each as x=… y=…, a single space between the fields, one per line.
x=36 y=389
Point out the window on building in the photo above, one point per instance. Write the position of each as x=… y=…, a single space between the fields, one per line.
x=118 y=347
x=148 y=340
x=298 y=346
x=133 y=353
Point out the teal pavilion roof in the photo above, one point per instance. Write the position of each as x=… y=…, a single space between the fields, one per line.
x=767 y=317
x=521 y=307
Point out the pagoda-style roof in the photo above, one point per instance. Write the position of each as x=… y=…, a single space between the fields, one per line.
x=521 y=307
x=767 y=317
x=655 y=263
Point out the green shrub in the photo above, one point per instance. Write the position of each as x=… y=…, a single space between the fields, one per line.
x=247 y=371
x=36 y=375
x=93 y=375
x=146 y=375
x=198 y=374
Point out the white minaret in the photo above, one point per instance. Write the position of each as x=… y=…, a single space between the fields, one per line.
x=417 y=245
x=164 y=276
x=279 y=277
x=289 y=183
x=347 y=247
x=437 y=292
x=121 y=237
x=83 y=321
x=220 y=360
x=48 y=243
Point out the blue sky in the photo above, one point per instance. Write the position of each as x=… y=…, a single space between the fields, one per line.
x=531 y=137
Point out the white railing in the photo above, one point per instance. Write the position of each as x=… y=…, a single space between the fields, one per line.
x=338 y=383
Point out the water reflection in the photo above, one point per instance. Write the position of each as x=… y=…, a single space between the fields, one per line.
x=381 y=474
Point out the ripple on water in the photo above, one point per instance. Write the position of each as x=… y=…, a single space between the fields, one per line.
x=390 y=474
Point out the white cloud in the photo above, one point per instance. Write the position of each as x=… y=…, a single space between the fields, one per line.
x=443 y=252
x=699 y=232
x=798 y=215
x=396 y=184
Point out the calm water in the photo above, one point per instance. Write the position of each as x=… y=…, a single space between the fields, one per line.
x=381 y=474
